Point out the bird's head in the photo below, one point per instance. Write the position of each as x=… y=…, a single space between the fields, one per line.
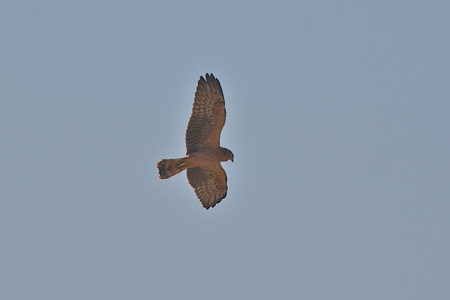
x=228 y=154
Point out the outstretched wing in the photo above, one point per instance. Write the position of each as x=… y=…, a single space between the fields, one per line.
x=208 y=115
x=210 y=184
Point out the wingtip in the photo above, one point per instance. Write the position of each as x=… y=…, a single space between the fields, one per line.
x=208 y=76
x=203 y=79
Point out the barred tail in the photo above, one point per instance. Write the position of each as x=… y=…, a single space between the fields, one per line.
x=169 y=167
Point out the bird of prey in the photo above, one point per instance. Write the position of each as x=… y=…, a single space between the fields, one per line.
x=204 y=154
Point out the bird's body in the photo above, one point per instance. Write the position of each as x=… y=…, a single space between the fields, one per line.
x=204 y=154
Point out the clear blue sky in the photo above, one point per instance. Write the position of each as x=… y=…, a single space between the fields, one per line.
x=338 y=117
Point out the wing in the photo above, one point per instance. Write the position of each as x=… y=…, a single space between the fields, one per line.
x=208 y=115
x=210 y=184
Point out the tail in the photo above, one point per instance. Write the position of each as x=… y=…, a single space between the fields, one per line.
x=169 y=167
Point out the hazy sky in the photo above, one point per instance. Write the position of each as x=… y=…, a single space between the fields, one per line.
x=338 y=117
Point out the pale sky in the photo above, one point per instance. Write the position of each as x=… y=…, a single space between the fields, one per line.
x=338 y=117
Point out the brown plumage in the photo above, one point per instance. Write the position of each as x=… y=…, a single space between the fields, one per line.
x=203 y=152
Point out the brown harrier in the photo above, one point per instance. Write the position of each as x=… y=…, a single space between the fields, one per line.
x=204 y=154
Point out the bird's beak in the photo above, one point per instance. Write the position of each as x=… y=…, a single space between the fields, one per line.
x=232 y=158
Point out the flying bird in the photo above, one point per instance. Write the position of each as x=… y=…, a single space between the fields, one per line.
x=203 y=152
